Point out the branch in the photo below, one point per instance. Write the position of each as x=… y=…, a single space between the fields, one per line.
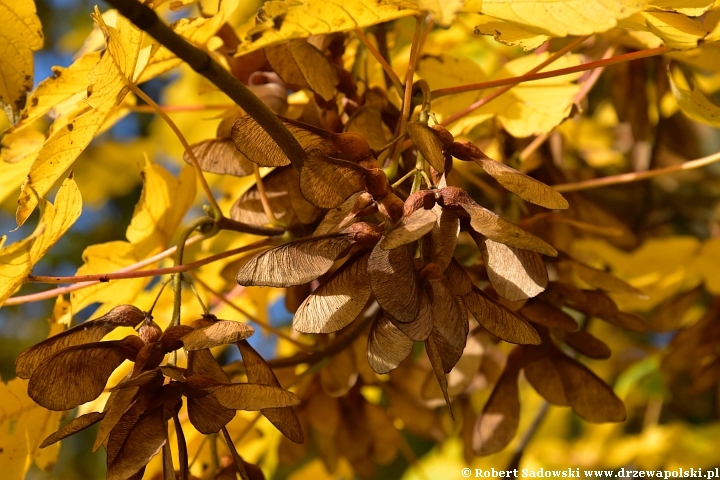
x=119 y=275
x=146 y=19
x=442 y=92
x=636 y=176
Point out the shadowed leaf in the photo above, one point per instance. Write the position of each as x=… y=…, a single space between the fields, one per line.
x=74 y=426
x=428 y=144
x=443 y=236
x=588 y=345
x=221 y=332
x=433 y=353
x=499 y=420
x=258 y=371
x=219 y=155
x=409 y=229
x=500 y=230
x=88 y=332
x=590 y=397
x=76 y=375
x=299 y=63
x=522 y=185
x=500 y=321
x=327 y=182
x=394 y=282
x=294 y=263
x=387 y=345
x=143 y=442
x=514 y=273
x=337 y=301
x=542 y=313
x=420 y=328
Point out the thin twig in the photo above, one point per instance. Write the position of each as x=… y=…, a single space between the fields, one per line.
x=146 y=19
x=485 y=100
x=636 y=176
x=532 y=75
x=188 y=150
x=106 y=277
x=378 y=56
x=263 y=196
x=520 y=449
x=180 y=108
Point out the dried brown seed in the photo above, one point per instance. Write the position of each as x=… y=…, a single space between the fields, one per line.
x=460 y=281
x=352 y=144
x=248 y=396
x=409 y=229
x=327 y=182
x=337 y=301
x=294 y=263
x=601 y=279
x=74 y=426
x=443 y=236
x=222 y=332
x=522 y=185
x=205 y=412
x=433 y=352
x=596 y=304
x=428 y=143
x=219 y=155
x=542 y=313
x=340 y=217
x=77 y=374
x=451 y=320
x=543 y=375
x=387 y=345
x=143 y=442
x=500 y=321
x=499 y=420
x=514 y=273
x=394 y=282
x=340 y=374
x=588 y=345
x=420 y=328
x=629 y=321
x=258 y=371
x=88 y=332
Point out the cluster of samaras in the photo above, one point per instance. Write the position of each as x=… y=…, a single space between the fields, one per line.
x=73 y=368
x=372 y=244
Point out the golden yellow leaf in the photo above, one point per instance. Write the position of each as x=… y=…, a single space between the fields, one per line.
x=19 y=150
x=564 y=17
x=277 y=20
x=443 y=11
x=533 y=108
x=65 y=83
x=21 y=35
x=18 y=259
x=163 y=203
x=691 y=8
x=510 y=34
x=66 y=143
x=24 y=425
x=676 y=30
x=693 y=102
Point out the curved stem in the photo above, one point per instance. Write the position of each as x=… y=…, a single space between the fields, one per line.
x=636 y=176
x=497 y=93
x=191 y=155
x=532 y=75
x=378 y=56
x=119 y=275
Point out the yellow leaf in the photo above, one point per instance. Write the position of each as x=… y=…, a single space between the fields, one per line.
x=163 y=203
x=692 y=101
x=277 y=21
x=17 y=260
x=563 y=17
x=676 y=30
x=19 y=150
x=21 y=35
x=691 y=8
x=23 y=426
x=443 y=11
x=511 y=34
x=534 y=108
x=65 y=144
x=197 y=31
x=63 y=85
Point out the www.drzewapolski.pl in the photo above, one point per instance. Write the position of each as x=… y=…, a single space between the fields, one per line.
x=581 y=473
